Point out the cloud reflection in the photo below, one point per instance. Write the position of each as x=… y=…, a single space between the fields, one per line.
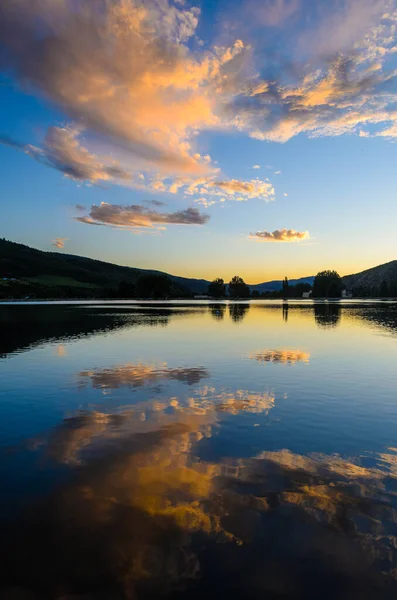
x=289 y=357
x=143 y=514
x=138 y=375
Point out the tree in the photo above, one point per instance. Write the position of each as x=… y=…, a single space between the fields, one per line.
x=384 y=289
x=393 y=289
x=285 y=288
x=255 y=294
x=327 y=284
x=217 y=288
x=126 y=289
x=153 y=286
x=297 y=291
x=238 y=288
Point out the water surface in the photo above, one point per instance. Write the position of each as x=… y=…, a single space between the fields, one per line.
x=190 y=450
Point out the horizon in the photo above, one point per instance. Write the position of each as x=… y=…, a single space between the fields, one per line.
x=202 y=139
x=226 y=280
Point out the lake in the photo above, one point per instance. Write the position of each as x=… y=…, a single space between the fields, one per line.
x=198 y=450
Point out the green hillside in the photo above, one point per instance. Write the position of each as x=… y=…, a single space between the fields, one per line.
x=52 y=274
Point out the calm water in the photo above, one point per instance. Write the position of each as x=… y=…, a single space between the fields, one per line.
x=198 y=451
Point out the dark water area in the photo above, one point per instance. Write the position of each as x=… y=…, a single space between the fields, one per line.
x=207 y=450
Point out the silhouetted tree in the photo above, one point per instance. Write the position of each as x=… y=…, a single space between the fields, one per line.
x=217 y=288
x=393 y=289
x=153 y=286
x=255 y=294
x=384 y=289
x=238 y=288
x=297 y=291
x=327 y=284
x=126 y=289
x=285 y=288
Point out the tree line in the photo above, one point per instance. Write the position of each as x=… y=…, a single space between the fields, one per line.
x=326 y=284
x=238 y=289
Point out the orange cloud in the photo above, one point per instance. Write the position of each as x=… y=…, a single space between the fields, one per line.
x=280 y=235
x=128 y=76
x=59 y=242
x=137 y=216
x=123 y=72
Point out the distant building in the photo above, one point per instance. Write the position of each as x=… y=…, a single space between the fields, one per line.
x=347 y=294
x=307 y=295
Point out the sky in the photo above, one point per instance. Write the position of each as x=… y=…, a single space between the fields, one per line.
x=205 y=139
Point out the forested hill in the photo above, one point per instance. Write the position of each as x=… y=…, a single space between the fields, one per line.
x=58 y=270
x=373 y=280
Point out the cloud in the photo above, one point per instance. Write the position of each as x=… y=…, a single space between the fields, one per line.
x=124 y=72
x=62 y=150
x=136 y=216
x=232 y=189
x=256 y=167
x=156 y=203
x=59 y=242
x=285 y=194
x=243 y=190
x=273 y=13
x=338 y=26
x=280 y=235
x=277 y=173
x=205 y=202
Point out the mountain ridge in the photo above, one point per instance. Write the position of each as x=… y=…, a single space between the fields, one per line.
x=22 y=261
x=51 y=268
x=373 y=277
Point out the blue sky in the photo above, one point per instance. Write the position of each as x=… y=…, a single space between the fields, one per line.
x=202 y=139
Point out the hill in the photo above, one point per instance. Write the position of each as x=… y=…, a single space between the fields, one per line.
x=65 y=272
x=51 y=274
x=276 y=285
x=374 y=280
x=54 y=274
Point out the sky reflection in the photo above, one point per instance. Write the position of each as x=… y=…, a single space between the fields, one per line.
x=209 y=457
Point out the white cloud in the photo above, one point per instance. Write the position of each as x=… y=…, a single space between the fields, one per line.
x=205 y=202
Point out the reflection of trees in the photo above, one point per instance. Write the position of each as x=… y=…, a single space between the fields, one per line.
x=29 y=325
x=142 y=515
x=218 y=311
x=382 y=315
x=327 y=315
x=285 y=313
x=237 y=312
